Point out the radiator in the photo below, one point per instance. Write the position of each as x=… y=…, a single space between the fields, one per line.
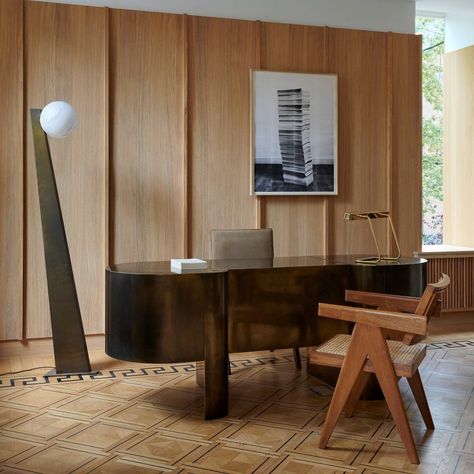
x=460 y=294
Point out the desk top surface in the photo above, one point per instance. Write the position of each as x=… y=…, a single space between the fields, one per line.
x=163 y=268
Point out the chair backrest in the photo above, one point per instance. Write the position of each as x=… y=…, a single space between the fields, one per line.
x=430 y=302
x=429 y=305
x=413 y=324
x=241 y=243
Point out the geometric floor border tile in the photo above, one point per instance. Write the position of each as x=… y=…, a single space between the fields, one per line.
x=158 y=369
x=162 y=369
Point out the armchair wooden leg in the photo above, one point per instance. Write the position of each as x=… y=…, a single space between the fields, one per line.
x=420 y=397
x=380 y=358
x=350 y=370
x=297 y=357
x=356 y=392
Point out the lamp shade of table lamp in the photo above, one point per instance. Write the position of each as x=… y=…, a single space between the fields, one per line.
x=58 y=119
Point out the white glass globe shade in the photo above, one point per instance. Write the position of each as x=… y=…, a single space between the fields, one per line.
x=58 y=119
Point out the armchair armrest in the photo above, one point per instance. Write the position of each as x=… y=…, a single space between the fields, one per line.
x=410 y=323
x=383 y=301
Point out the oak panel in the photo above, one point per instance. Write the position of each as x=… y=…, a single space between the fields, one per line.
x=299 y=222
x=221 y=53
x=359 y=60
x=406 y=183
x=65 y=52
x=147 y=85
x=459 y=147
x=11 y=169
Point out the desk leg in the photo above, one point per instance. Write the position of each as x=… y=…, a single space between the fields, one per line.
x=212 y=373
x=200 y=373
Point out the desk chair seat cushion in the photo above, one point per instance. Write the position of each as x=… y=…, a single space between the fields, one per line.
x=406 y=359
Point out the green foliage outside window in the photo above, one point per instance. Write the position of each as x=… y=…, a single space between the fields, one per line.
x=432 y=30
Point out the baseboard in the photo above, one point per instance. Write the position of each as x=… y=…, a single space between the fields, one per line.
x=33 y=347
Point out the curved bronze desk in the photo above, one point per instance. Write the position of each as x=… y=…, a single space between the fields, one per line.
x=155 y=315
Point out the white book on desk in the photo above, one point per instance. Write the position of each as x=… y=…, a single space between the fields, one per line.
x=180 y=264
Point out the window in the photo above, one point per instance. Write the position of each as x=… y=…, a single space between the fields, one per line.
x=432 y=29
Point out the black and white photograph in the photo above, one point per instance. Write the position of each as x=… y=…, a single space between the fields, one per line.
x=294 y=133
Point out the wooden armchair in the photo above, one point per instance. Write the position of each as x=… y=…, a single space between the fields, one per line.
x=371 y=349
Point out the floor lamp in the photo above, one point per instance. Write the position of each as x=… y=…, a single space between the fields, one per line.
x=58 y=119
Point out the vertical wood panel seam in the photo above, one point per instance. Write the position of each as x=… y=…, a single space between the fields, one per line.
x=107 y=115
x=186 y=141
x=23 y=327
x=390 y=171
x=326 y=207
x=259 y=200
x=111 y=188
x=190 y=231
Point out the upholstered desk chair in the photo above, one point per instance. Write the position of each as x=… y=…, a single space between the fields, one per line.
x=245 y=243
x=368 y=351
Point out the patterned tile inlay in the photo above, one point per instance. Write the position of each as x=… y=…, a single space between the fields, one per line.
x=87 y=406
x=147 y=420
x=192 y=425
x=10 y=447
x=163 y=447
x=139 y=415
x=10 y=414
x=172 y=398
x=116 y=465
x=103 y=436
x=36 y=398
x=295 y=417
x=43 y=427
x=54 y=460
x=122 y=391
x=231 y=460
x=264 y=436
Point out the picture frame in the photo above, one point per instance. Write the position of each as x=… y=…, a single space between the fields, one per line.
x=294 y=133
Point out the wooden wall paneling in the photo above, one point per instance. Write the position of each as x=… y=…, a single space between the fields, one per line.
x=172 y=93
x=406 y=140
x=65 y=51
x=359 y=60
x=221 y=53
x=11 y=169
x=147 y=87
x=459 y=147
x=298 y=221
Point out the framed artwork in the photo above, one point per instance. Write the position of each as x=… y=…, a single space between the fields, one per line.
x=294 y=133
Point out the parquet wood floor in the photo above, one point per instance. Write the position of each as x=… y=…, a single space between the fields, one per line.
x=146 y=419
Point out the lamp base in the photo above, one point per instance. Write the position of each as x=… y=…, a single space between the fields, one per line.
x=375 y=260
x=54 y=373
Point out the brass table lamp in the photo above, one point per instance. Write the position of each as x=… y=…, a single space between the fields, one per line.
x=368 y=216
